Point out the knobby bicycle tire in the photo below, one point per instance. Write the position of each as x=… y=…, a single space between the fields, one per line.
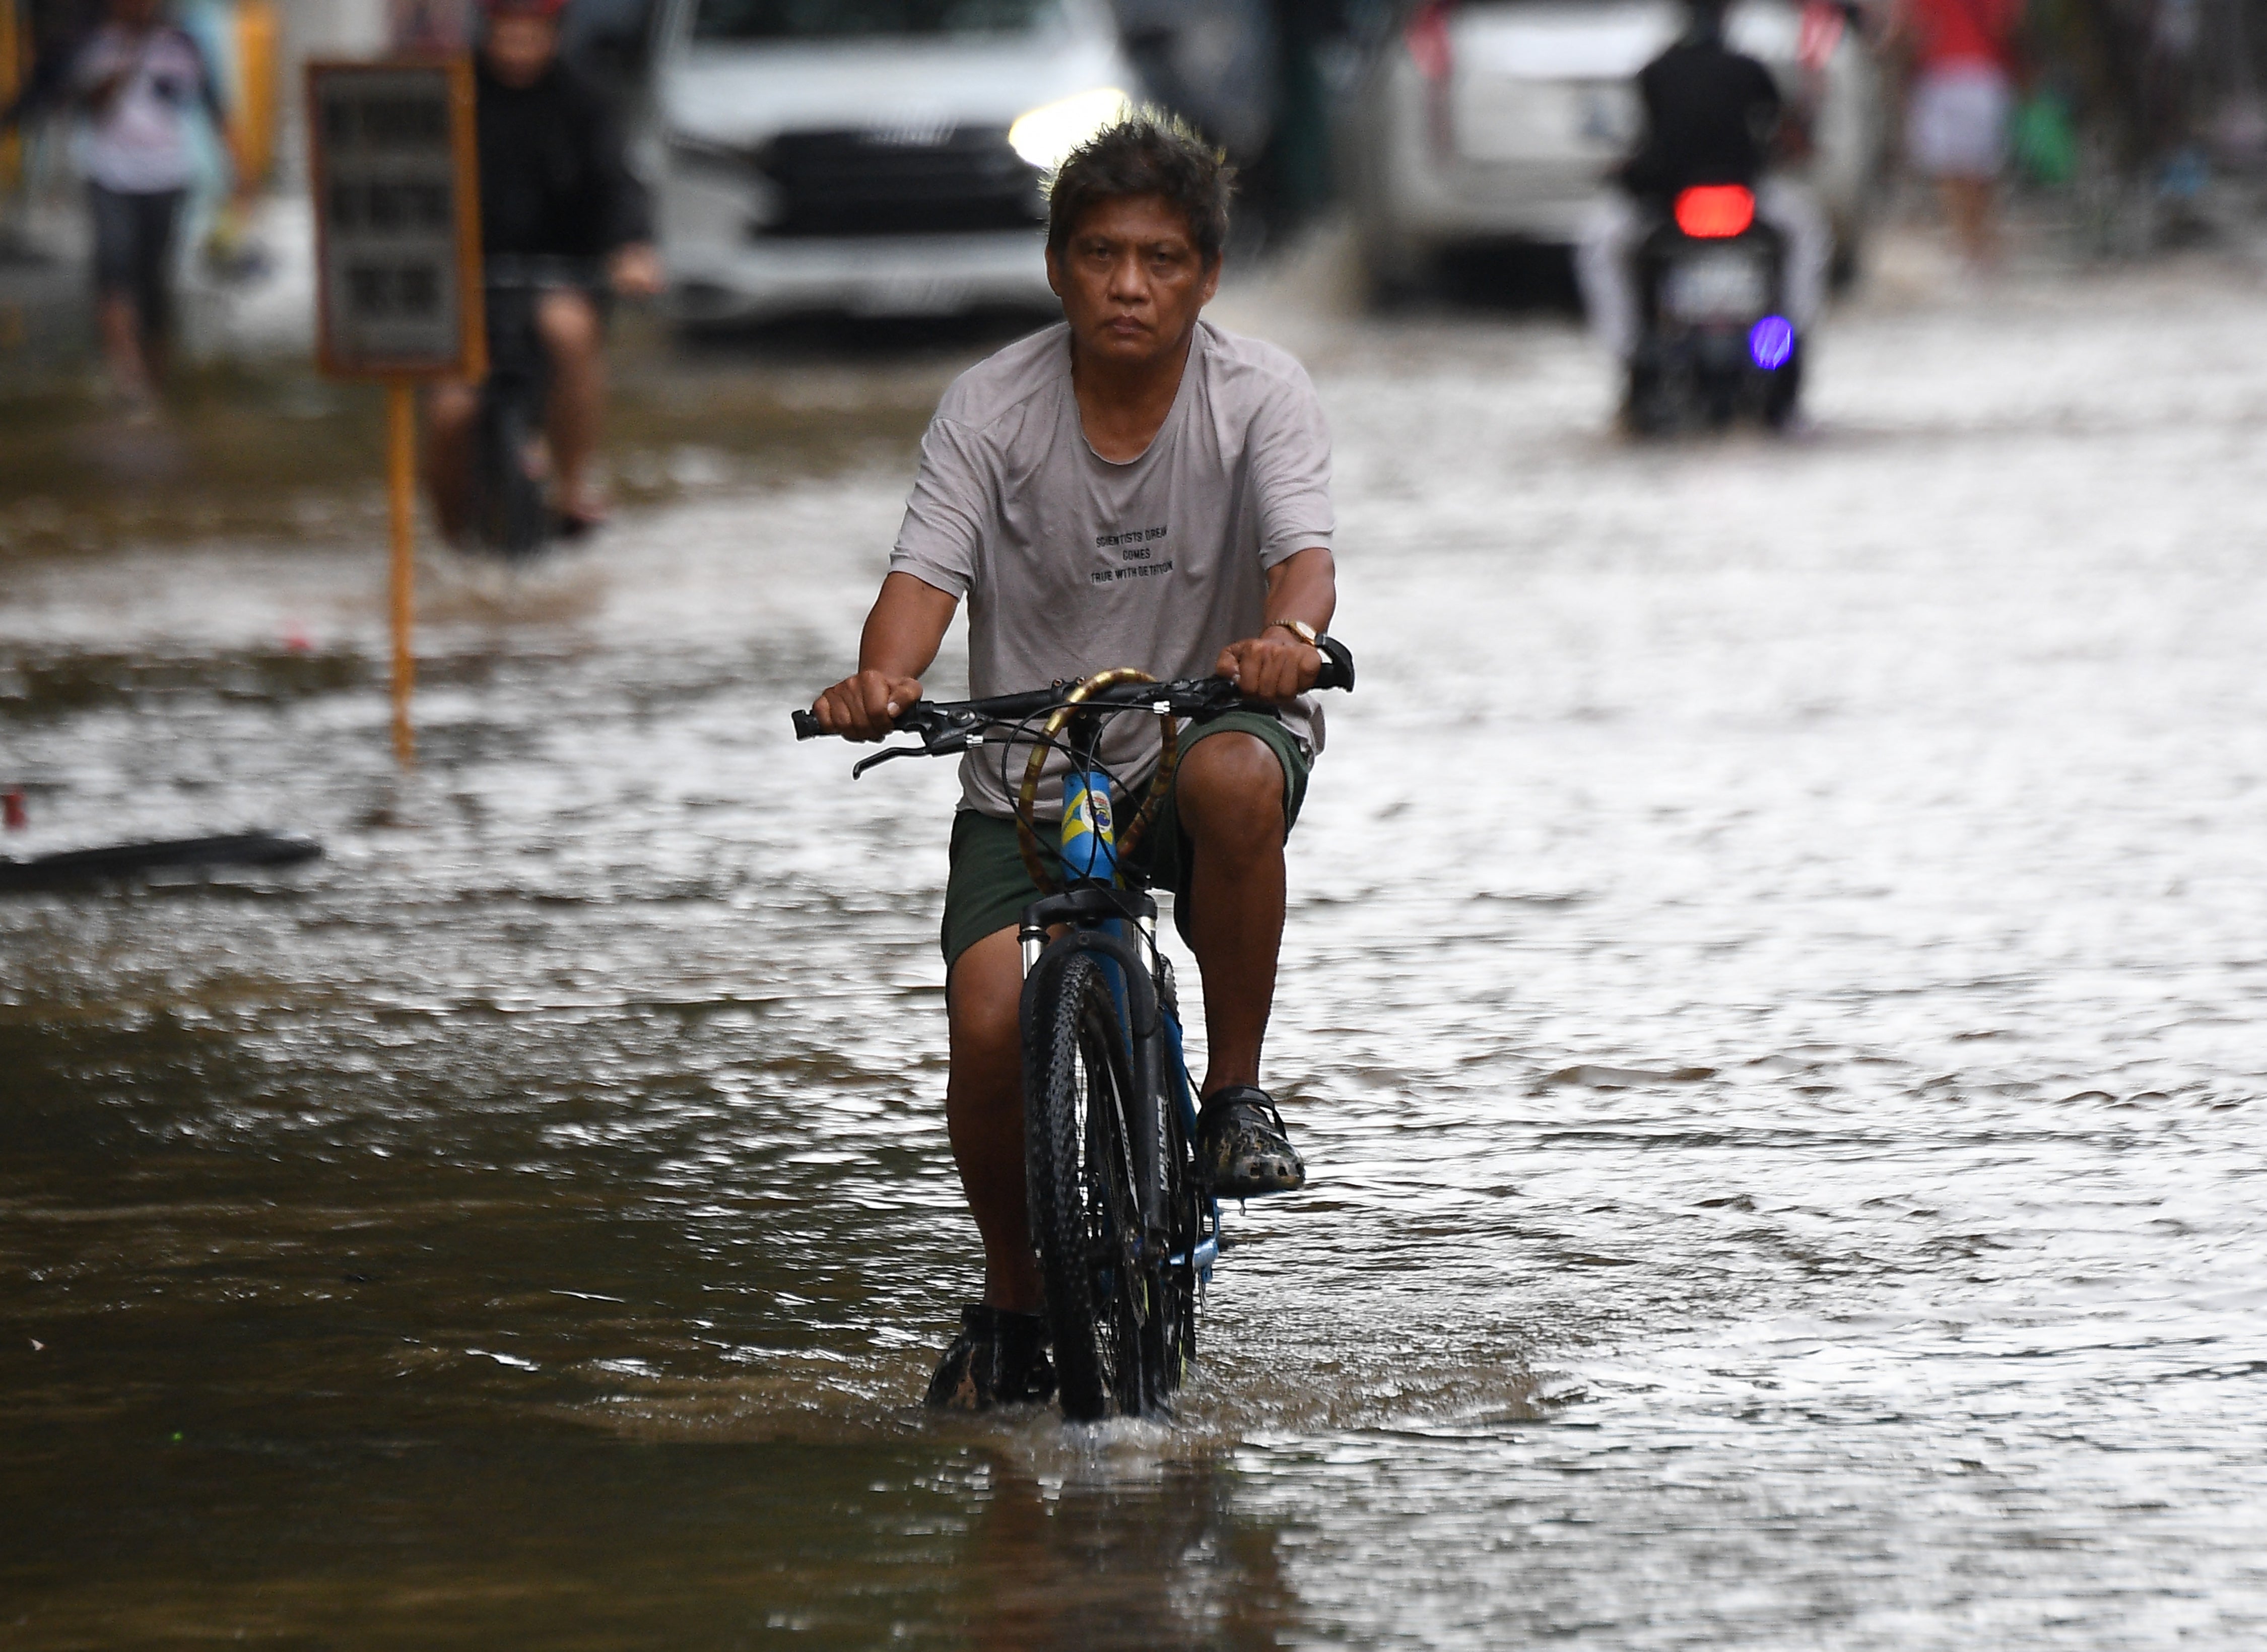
x=1078 y=1096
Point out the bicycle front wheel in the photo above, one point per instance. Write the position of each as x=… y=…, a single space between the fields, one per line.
x=1078 y=1096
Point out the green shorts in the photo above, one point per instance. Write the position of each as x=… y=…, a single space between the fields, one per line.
x=987 y=888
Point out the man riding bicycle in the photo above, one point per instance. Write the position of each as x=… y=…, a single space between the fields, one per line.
x=1132 y=487
x=554 y=184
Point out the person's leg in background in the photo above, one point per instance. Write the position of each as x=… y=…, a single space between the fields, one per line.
x=1793 y=211
x=450 y=412
x=574 y=336
x=157 y=217
x=1602 y=265
x=117 y=316
x=1968 y=208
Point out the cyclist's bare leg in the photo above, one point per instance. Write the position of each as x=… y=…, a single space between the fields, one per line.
x=984 y=1111
x=1229 y=792
x=449 y=412
x=1231 y=798
x=567 y=322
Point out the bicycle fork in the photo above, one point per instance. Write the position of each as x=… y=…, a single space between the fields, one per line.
x=1089 y=855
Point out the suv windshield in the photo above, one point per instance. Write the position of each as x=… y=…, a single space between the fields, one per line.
x=862 y=19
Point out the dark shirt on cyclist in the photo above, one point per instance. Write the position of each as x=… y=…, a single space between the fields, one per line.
x=555 y=180
x=1709 y=112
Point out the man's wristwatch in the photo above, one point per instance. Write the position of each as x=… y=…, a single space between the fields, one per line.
x=1299 y=628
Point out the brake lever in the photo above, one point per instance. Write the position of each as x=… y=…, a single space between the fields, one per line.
x=943 y=743
x=882 y=756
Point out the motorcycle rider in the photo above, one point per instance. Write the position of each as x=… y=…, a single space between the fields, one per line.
x=1712 y=116
x=555 y=183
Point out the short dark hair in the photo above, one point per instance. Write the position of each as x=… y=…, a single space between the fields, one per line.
x=1145 y=154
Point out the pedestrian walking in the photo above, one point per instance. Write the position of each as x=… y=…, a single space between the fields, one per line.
x=140 y=82
x=1962 y=55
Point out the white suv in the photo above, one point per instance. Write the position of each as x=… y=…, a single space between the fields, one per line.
x=1499 y=120
x=872 y=156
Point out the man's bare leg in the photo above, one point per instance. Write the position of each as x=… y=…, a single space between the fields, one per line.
x=984 y=1111
x=449 y=412
x=1230 y=796
x=568 y=323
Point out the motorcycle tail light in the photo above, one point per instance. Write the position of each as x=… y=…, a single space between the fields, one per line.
x=1715 y=212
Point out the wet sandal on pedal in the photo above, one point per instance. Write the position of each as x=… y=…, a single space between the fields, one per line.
x=1242 y=1147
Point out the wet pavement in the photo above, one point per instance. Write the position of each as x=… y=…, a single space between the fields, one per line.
x=1773 y=1008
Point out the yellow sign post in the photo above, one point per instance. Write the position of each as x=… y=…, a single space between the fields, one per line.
x=252 y=112
x=402 y=579
x=15 y=69
x=395 y=167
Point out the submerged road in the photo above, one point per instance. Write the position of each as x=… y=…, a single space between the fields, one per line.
x=1773 y=1008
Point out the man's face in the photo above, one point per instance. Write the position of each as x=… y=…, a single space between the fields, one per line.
x=521 y=46
x=1131 y=280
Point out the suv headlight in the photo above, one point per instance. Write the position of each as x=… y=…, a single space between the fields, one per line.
x=1045 y=136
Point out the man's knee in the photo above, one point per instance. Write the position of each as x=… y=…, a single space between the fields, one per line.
x=568 y=325
x=1230 y=793
x=983 y=996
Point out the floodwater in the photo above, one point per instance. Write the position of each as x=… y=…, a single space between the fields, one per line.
x=1773 y=1006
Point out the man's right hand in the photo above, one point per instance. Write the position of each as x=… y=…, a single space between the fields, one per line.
x=865 y=707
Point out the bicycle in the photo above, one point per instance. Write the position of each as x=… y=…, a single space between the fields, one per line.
x=1127 y=1233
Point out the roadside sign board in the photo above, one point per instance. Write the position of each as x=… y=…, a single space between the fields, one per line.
x=395 y=160
x=397 y=219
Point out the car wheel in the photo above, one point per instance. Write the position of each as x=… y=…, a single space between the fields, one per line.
x=1392 y=272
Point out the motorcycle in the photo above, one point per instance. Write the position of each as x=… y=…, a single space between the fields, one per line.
x=1717 y=346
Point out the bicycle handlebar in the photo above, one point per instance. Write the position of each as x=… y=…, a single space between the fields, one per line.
x=946 y=726
x=539 y=272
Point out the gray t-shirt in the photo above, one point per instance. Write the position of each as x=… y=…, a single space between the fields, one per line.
x=1071 y=564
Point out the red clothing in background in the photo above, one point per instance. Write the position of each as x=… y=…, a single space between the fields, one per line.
x=1950 y=31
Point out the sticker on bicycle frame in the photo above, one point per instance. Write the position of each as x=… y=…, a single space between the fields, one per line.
x=394 y=160
x=1089 y=848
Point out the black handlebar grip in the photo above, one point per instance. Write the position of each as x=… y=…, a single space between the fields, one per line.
x=1337 y=665
x=806 y=726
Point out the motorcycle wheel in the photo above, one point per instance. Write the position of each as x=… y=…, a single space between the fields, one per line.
x=1783 y=391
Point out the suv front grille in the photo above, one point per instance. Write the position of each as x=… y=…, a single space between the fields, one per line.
x=899 y=181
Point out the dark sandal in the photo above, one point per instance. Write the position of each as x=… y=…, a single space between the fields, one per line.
x=998 y=1359
x=1242 y=1147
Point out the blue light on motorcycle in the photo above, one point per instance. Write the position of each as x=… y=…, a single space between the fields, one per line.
x=1771 y=341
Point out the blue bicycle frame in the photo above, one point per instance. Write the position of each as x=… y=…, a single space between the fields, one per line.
x=1090 y=856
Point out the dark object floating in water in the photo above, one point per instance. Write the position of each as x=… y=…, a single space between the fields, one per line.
x=130 y=860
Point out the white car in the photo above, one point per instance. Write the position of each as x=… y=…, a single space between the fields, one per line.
x=871 y=157
x=1496 y=121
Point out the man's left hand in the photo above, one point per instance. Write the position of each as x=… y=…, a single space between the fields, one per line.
x=1273 y=665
